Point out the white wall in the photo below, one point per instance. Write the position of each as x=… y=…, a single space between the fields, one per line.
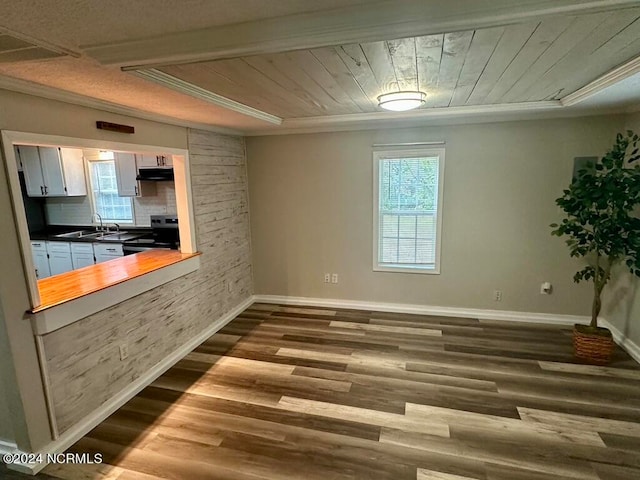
x=311 y=213
x=621 y=298
x=6 y=425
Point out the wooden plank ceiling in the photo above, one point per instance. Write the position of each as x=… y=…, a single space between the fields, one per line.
x=522 y=62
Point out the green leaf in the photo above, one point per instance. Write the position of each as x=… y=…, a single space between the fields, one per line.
x=599 y=208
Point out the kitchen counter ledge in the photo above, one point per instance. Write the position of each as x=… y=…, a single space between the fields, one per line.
x=70 y=296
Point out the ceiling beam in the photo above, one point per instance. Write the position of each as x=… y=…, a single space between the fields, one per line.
x=355 y=24
x=192 y=90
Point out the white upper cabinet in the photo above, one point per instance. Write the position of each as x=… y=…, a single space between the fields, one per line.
x=126 y=172
x=30 y=159
x=153 y=161
x=74 y=172
x=52 y=171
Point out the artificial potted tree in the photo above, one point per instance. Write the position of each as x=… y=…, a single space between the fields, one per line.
x=602 y=223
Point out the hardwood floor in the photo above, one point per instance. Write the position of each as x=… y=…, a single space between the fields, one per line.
x=311 y=393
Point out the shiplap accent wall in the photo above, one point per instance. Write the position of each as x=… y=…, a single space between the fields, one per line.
x=83 y=359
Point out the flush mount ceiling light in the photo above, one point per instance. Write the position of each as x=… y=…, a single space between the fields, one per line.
x=401 y=101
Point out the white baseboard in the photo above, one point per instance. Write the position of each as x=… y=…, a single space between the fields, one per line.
x=621 y=339
x=479 y=313
x=549 y=318
x=83 y=427
x=12 y=449
x=7 y=447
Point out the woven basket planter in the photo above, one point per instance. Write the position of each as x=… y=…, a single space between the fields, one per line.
x=591 y=347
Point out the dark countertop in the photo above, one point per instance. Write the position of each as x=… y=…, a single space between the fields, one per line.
x=53 y=230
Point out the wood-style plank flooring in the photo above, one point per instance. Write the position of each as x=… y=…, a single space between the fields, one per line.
x=310 y=393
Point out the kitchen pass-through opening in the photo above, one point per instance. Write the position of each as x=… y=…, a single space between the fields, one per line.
x=80 y=203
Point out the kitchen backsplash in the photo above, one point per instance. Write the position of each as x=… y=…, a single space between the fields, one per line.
x=163 y=202
x=77 y=210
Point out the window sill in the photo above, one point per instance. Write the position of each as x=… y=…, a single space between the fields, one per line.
x=398 y=269
x=74 y=295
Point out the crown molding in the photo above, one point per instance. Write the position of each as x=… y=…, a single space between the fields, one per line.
x=431 y=118
x=37 y=90
x=354 y=24
x=192 y=90
x=608 y=79
x=446 y=115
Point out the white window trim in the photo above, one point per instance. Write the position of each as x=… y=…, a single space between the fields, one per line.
x=92 y=200
x=394 y=153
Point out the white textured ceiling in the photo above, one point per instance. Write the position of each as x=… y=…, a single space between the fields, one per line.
x=85 y=77
x=73 y=23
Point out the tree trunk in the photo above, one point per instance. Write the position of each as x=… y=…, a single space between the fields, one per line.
x=597 y=305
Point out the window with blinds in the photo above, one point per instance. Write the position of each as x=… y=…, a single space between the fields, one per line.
x=106 y=202
x=407 y=210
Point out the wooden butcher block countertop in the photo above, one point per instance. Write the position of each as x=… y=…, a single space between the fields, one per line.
x=84 y=281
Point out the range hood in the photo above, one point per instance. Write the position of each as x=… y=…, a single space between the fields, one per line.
x=155 y=174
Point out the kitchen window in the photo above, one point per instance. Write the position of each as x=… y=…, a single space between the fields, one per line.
x=104 y=188
x=408 y=210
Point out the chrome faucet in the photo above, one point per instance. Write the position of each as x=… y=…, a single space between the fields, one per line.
x=117 y=227
x=101 y=229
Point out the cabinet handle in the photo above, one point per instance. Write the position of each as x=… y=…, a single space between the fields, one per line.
x=46 y=190
x=111 y=249
x=41 y=189
x=136 y=189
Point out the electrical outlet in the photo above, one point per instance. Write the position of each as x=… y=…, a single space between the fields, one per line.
x=327 y=277
x=497 y=295
x=546 y=288
x=124 y=351
x=334 y=278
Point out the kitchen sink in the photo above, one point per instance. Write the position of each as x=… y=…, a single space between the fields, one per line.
x=101 y=236
x=94 y=235
x=121 y=237
x=78 y=234
x=112 y=236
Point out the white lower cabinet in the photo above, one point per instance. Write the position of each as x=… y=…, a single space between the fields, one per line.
x=53 y=258
x=82 y=255
x=40 y=259
x=107 y=251
x=59 y=257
